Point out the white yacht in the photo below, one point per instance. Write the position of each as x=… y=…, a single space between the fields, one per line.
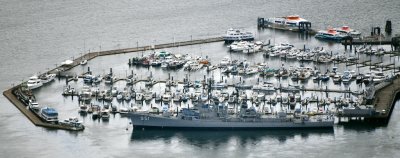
x=47 y=78
x=34 y=82
x=83 y=62
x=237 y=35
x=291 y=22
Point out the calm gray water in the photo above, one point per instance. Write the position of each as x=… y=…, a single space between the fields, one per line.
x=36 y=35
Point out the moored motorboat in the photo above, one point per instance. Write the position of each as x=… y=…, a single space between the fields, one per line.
x=48 y=114
x=33 y=106
x=331 y=34
x=34 y=82
x=105 y=114
x=347 y=76
x=46 y=78
x=72 y=122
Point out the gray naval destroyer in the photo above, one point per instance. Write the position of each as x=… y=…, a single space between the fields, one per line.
x=206 y=116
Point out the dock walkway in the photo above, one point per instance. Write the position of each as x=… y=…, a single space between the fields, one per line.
x=385 y=98
x=31 y=115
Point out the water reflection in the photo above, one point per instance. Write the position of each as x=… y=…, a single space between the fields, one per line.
x=361 y=126
x=216 y=138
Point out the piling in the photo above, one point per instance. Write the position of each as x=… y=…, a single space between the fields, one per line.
x=388 y=27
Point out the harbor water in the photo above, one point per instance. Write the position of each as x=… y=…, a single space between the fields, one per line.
x=37 y=36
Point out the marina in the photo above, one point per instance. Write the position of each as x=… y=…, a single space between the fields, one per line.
x=199 y=78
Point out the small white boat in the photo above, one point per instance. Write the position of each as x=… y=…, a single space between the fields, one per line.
x=166 y=97
x=83 y=108
x=346 y=77
x=120 y=96
x=378 y=77
x=225 y=61
x=83 y=62
x=337 y=78
x=148 y=96
x=127 y=96
x=34 y=106
x=139 y=96
x=123 y=111
x=105 y=114
x=73 y=122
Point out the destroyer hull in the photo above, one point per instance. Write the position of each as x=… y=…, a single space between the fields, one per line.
x=149 y=121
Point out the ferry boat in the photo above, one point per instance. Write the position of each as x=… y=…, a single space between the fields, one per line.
x=34 y=82
x=48 y=114
x=290 y=22
x=331 y=34
x=209 y=117
x=237 y=35
x=347 y=30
